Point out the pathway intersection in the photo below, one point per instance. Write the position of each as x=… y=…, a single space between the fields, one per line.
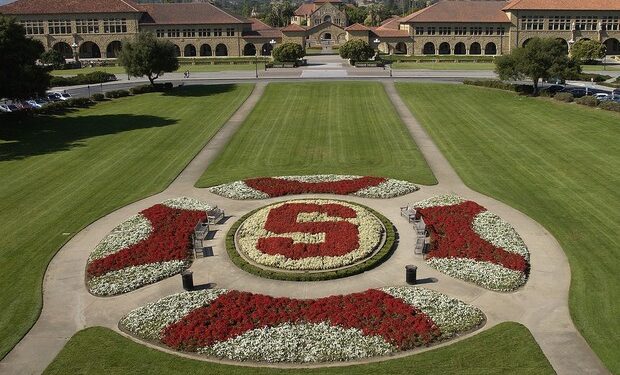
x=541 y=305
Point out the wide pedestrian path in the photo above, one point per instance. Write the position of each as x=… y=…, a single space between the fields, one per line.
x=541 y=305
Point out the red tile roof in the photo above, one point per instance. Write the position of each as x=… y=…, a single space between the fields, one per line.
x=357 y=27
x=293 y=27
x=453 y=11
x=262 y=30
x=390 y=33
x=563 y=5
x=69 y=6
x=187 y=14
x=391 y=23
x=305 y=9
x=327 y=1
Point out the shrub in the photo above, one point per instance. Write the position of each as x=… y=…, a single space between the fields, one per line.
x=141 y=89
x=79 y=102
x=590 y=77
x=610 y=106
x=83 y=79
x=53 y=58
x=54 y=107
x=356 y=50
x=587 y=100
x=564 y=97
x=98 y=97
x=116 y=94
x=289 y=52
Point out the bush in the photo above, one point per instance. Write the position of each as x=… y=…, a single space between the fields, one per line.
x=494 y=84
x=116 y=94
x=591 y=77
x=590 y=101
x=54 y=107
x=356 y=50
x=610 y=106
x=79 y=102
x=141 y=89
x=566 y=97
x=83 y=79
x=289 y=52
x=98 y=97
x=53 y=58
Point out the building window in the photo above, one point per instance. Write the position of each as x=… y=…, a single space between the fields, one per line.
x=202 y=33
x=419 y=30
x=87 y=26
x=59 y=26
x=160 y=33
x=445 y=30
x=559 y=23
x=174 y=33
x=475 y=30
x=532 y=23
x=430 y=30
x=33 y=27
x=587 y=23
x=230 y=31
x=488 y=31
x=460 y=30
x=611 y=23
x=114 y=25
x=189 y=33
x=217 y=32
x=501 y=30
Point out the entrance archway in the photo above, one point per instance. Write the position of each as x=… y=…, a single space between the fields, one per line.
x=221 y=50
x=564 y=44
x=490 y=49
x=64 y=49
x=249 y=50
x=89 y=50
x=327 y=18
x=429 y=49
x=113 y=49
x=460 y=49
x=613 y=46
x=327 y=36
x=475 y=49
x=444 y=49
x=177 y=51
x=266 y=49
x=189 y=50
x=401 y=48
x=205 y=50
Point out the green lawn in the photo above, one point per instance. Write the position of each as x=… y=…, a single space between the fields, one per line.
x=61 y=173
x=479 y=66
x=310 y=128
x=505 y=349
x=182 y=68
x=560 y=164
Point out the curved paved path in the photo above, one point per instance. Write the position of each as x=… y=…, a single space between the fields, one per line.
x=542 y=305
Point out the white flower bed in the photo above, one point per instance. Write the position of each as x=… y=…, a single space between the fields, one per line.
x=185 y=203
x=148 y=321
x=252 y=229
x=238 y=190
x=451 y=315
x=301 y=342
x=388 y=189
x=131 y=278
x=128 y=233
x=439 y=200
x=488 y=275
x=499 y=233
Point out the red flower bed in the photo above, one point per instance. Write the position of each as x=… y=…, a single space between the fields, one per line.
x=170 y=240
x=277 y=187
x=453 y=236
x=341 y=237
x=234 y=313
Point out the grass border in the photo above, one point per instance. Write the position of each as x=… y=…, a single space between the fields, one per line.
x=388 y=248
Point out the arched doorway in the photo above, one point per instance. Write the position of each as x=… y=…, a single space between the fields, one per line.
x=266 y=49
x=64 y=49
x=612 y=46
x=221 y=50
x=564 y=44
x=177 y=51
x=189 y=50
x=525 y=42
x=490 y=49
x=475 y=49
x=114 y=48
x=327 y=18
x=460 y=49
x=89 y=50
x=249 y=50
x=327 y=36
x=429 y=49
x=205 y=50
x=400 y=49
x=444 y=49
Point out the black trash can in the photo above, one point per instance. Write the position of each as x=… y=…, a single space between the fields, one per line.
x=411 y=274
x=188 y=280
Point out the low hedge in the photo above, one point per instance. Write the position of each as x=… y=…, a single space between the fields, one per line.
x=610 y=106
x=501 y=85
x=116 y=94
x=83 y=79
x=98 y=97
x=380 y=256
x=566 y=97
x=63 y=106
x=589 y=101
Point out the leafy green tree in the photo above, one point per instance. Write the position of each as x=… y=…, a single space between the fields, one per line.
x=20 y=76
x=288 y=52
x=377 y=13
x=588 y=50
x=148 y=56
x=356 y=14
x=53 y=58
x=539 y=59
x=356 y=50
x=280 y=13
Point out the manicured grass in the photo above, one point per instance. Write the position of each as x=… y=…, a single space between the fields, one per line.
x=559 y=163
x=182 y=68
x=507 y=348
x=478 y=66
x=61 y=173
x=314 y=128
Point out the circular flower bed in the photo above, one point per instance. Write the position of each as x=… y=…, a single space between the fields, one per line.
x=470 y=243
x=146 y=248
x=243 y=326
x=269 y=187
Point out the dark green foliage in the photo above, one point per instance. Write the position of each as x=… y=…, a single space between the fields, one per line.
x=83 y=79
x=356 y=50
x=356 y=14
x=148 y=56
x=564 y=97
x=288 y=52
x=116 y=94
x=497 y=84
x=53 y=58
x=587 y=50
x=158 y=87
x=610 y=106
x=20 y=76
x=98 y=97
x=590 y=101
x=54 y=108
x=280 y=13
x=591 y=77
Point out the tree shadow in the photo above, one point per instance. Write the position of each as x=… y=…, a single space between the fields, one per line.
x=38 y=135
x=199 y=90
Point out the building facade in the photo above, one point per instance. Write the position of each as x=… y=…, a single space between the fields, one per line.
x=96 y=28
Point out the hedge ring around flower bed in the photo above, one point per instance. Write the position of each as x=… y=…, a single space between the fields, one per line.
x=378 y=255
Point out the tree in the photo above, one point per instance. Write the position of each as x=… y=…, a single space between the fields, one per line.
x=148 y=56
x=588 y=50
x=356 y=50
x=288 y=52
x=539 y=59
x=377 y=13
x=280 y=13
x=20 y=76
x=53 y=58
x=356 y=14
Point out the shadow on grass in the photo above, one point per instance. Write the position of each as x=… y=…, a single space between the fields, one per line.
x=39 y=135
x=199 y=90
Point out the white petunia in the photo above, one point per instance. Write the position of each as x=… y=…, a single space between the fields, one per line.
x=488 y=275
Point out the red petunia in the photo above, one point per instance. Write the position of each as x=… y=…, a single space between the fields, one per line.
x=277 y=187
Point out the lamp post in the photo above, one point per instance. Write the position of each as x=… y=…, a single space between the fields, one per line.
x=273 y=45
x=75 y=53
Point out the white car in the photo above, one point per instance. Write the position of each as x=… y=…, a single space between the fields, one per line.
x=7 y=108
x=602 y=96
x=62 y=95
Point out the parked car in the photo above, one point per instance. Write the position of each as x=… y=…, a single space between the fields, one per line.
x=553 y=89
x=602 y=96
x=7 y=108
x=63 y=95
x=615 y=94
x=24 y=106
x=34 y=104
x=53 y=97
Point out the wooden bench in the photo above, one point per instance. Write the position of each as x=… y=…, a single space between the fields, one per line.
x=215 y=215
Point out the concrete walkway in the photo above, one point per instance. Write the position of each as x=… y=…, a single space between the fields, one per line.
x=541 y=305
